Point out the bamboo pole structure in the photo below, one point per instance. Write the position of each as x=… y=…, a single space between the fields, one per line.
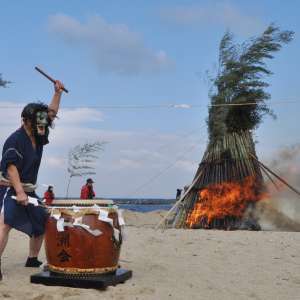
x=225 y=160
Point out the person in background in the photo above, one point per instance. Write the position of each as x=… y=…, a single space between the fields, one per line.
x=178 y=194
x=87 y=191
x=49 y=195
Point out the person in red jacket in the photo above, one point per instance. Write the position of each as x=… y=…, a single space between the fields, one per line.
x=49 y=195
x=87 y=191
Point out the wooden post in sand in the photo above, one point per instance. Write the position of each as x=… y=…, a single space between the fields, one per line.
x=275 y=175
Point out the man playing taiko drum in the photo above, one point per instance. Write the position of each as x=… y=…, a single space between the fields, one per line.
x=21 y=158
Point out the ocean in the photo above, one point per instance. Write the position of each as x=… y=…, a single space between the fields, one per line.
x=144 y=204
x=145 y=207
x=139 y=204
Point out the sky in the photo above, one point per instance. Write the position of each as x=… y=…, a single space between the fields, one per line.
x=136 y=72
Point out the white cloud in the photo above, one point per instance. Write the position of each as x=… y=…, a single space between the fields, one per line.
x=114 y=47
x=219 y=13
x=80 y=115
x=66 y=136
x=10 y=113
x=55 y=162
x=10 y=118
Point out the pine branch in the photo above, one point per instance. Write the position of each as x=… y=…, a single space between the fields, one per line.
x=81 y=158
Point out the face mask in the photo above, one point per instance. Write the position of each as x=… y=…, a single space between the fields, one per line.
x=41 y=130
x=41 y=123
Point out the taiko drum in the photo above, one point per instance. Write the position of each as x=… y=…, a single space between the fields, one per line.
x=76 y=249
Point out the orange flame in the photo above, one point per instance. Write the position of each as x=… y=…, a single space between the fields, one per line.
x=226 y=199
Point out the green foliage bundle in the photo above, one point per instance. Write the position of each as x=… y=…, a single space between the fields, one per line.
x=240 y=79
x=81 y=159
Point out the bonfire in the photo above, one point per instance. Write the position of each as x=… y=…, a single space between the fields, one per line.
x=229 y=181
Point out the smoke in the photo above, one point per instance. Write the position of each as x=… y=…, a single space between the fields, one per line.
x=281 y=211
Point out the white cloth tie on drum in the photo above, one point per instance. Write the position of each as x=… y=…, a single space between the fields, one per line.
x=31 y=200
x=94 y=232
x=56 y=216
x=75 y=208
x=61 y=224
x=103 y=216
x=77 y=221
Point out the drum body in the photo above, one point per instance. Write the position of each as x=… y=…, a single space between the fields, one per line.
x=83 y=243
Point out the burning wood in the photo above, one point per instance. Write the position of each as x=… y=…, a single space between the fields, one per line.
x=224 y=203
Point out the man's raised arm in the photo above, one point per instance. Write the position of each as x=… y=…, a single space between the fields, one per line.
x=54 y=104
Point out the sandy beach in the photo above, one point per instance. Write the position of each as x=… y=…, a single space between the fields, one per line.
x=178 y=264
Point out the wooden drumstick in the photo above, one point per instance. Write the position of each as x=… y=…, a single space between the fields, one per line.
x=49 y=77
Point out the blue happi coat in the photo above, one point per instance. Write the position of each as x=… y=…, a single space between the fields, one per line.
x=19 y=151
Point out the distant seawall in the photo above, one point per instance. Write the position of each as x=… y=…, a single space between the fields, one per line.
x=133 y=201
x=141 y=201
